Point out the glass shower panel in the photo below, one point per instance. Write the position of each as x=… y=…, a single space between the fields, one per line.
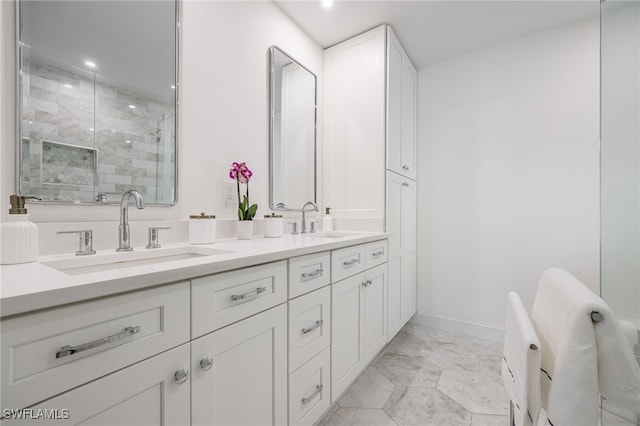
x=620 y=171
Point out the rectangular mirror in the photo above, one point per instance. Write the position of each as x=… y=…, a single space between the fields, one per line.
x=97 y=100
x=293 y=132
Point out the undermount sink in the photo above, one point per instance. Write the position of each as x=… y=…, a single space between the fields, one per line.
x=112 y=261
x=328 y=235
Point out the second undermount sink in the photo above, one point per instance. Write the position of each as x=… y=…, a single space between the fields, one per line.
x=113 y=261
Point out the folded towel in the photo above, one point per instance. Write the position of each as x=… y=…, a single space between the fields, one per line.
x=580 y=359
x=521 y=363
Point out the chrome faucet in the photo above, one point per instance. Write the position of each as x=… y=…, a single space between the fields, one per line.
x=124 y=238
x=304 y=224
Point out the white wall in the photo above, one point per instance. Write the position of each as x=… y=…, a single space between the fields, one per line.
x=223 y=115
x=507 y=173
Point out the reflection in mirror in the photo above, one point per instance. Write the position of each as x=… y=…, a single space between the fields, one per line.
x=293 y=132
x=97 y=100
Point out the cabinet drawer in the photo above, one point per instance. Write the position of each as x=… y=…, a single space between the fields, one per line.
x=375 y=253
x=307 y=273
x=221 y=299
x=309 y=326
x=310 y=390
x=347 y=262
x=49 y=352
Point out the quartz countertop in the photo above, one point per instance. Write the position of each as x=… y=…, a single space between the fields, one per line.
x=31 y=286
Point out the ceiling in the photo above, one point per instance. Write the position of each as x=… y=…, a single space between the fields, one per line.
x=434 y=31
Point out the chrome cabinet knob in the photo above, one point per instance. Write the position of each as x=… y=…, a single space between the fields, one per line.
x=206 y=364
x=181 y=376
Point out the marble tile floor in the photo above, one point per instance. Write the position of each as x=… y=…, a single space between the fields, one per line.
x=427 y=377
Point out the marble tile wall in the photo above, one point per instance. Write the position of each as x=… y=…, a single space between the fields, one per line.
x=67 y=116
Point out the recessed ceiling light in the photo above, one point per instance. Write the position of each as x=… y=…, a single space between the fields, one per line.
x=327 y=3
x=132 y=106
x=90 y=64
x=128 y=141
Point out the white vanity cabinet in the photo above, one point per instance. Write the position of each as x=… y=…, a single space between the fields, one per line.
x=359 y=327
x=240 y=372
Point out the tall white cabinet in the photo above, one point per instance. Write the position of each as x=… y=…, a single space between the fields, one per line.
x=370 y=153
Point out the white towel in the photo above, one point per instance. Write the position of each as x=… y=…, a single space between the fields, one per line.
x=521 y=363
x=580 y=359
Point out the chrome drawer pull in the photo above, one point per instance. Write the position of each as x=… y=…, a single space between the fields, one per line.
x=313 y=327
x=314 y=274
x=206 y=364
x=249 y=294
x=405 y=183
x=181 y=376
x=405 y=167
x=70 y=350
x=377 y=254
x=307 y=400
x=367 y=283
x=351 y=262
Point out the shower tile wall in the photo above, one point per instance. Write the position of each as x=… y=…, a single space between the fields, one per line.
x=69 y=116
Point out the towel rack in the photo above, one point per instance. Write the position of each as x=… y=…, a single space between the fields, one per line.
x=596 y=316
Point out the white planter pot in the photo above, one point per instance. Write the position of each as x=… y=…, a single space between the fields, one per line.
x=244 y=229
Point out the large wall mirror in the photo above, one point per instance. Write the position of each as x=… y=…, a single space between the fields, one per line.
x=293 y=132
x=97 y=100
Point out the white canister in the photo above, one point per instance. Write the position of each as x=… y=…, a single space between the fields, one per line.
x=273 y=226
x=202 y=229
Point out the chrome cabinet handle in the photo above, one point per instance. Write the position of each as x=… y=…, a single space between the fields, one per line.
x=351 y=262
x=314 y=274
x=377 y=254
x=405 y=167
x=405 y=183
x=70 y=350
x=367 y=283
x=313 y=327
x=249 y=294
x=308 y=399
x=181 y=376
x=206 y=364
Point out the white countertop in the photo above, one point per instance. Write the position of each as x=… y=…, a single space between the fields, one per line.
x=31 y=286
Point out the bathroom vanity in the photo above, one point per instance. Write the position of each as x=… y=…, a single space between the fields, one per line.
x=264 y=331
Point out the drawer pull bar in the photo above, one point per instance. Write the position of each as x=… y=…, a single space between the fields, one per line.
x=351 y=262
x=313 y=327
x=309 y=275
x=377 y=254
x=249 y=294
x=70 y=350
x=307 y=400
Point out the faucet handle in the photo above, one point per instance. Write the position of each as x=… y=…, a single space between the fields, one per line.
x=153 y=241
x=294 y=228
x=313 y=227
x=85 y=241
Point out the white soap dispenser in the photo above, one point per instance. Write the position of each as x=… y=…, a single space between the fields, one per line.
x=19 y=236
x=327 y=220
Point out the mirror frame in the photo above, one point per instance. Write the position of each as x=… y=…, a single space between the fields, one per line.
x=19 y=106
x=272 y=87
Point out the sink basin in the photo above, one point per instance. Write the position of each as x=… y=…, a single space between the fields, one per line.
x=112 y=261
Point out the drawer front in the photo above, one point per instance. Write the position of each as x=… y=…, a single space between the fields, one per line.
x=347 y=262
x=49 y=352
x=309 y=326
x=310 y=390
x=221 y=299
x=307 y=273
x=376 y=253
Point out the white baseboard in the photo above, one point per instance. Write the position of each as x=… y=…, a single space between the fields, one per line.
x=474 y=329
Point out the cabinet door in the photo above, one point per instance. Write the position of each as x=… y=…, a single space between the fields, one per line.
x=401 y=214
x=408 y=286
x=240 y=372
x=394 y=298
x=347 y=357
x=408 y=216
x=374 y=326
x=146 y=393
x=394 y=103
x=409 y=85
